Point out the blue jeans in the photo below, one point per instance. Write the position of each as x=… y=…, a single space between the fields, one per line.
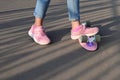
x=73 y=9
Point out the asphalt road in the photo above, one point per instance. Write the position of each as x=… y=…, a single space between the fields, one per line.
x=63 y=59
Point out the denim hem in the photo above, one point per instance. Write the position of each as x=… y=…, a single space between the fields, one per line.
x=38 y=16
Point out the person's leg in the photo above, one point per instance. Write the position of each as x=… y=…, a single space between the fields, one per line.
x=40 y=11
x=74 y=12
x=37 y=31
x=74 y=16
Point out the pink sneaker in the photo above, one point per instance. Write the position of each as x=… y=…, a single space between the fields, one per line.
x=38 y=35
x=82 y=30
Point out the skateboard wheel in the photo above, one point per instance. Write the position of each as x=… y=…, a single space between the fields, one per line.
x=88 y=24
x=84 y=38
x=98 y=38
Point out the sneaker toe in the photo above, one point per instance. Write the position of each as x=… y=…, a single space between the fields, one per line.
x=44 y=41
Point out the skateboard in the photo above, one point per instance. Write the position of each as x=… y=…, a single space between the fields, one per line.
x=89 y=42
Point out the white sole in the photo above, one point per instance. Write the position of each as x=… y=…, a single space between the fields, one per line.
x=75 y=37
x=31 y=35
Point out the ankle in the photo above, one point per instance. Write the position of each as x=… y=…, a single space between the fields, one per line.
x=75 y=24
x=39 y=26
x=38 y=21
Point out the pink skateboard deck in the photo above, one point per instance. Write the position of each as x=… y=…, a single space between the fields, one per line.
x=89 y=43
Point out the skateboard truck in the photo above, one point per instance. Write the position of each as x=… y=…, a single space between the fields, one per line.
x=90 y=40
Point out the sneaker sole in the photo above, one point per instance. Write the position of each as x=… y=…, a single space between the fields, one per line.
x=31 y=35
x=77 y=37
